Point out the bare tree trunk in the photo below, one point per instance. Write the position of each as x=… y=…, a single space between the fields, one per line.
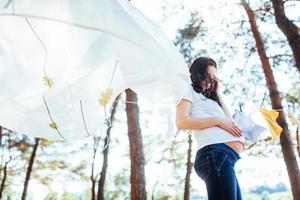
x=285 y=138
x=4 y=177
x=188 y=170
x=4 y=169
x=29 y=169
x=289 y=29
x=137 y=176
x=93 y=179
x=101 y=181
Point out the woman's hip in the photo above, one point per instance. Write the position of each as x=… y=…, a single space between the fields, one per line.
x=220 y=147
x=216 y=160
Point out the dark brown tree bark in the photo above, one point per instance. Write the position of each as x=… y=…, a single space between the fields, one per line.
x=288 y=28
x=189 y=166
x=29 y=169
x=285 y=138
x=101 y=181
x=4 y=169
x=4 y=178
x=137 y=175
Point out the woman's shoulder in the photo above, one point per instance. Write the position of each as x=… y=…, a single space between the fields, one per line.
x=190 y=89
x=198 y=95
x=187 y=93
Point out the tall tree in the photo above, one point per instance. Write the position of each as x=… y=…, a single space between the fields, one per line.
x=189 y=166
x=93 y=178
x=4 y=177
x=3 y=171
x=137 y=174
x=288 y=28
x=100 y=194
x=285 y=138
x=29 y=169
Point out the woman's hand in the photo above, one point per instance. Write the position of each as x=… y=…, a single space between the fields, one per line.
x=217 y=83
x=230 y=127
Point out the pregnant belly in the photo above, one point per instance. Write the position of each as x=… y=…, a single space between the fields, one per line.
x=236 y=146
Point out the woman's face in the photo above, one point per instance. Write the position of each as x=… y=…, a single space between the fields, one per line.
x=212 y=71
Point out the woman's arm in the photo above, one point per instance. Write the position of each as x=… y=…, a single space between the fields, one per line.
x=185 y=122
x=224 y=107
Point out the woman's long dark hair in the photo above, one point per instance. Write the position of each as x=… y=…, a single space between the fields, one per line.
x=199 y=74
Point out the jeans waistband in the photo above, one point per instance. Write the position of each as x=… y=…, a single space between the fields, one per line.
x=223 y=147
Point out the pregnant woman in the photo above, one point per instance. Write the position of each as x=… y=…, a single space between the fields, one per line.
x=219 y=140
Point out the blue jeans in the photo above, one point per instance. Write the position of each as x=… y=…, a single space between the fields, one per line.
x=214 y=164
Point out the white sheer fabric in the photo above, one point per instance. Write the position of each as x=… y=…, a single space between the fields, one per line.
x=58 y=56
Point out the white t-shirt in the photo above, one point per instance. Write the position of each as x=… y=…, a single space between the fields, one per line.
x=203 y=107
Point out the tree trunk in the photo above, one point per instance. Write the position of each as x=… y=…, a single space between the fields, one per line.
x=137 y=176
x=101 y=181
x=4 y=169
x=289 y=29
x=29 y=169
x=93 y=179
x=285 y=138
x=188 y=170
x=4 y=178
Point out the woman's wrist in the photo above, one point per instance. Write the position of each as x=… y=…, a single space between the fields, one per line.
x=218 y=122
